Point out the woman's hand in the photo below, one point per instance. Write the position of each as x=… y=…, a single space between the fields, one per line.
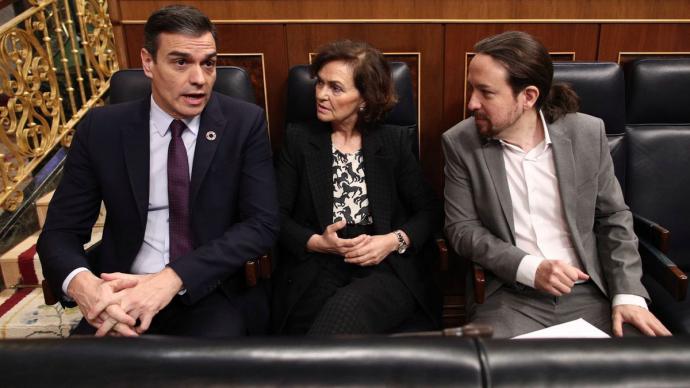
x=372 y=251
x=329 y=242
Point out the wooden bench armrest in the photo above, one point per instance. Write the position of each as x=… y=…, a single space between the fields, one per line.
x=257 y=269
x=663 y=270
x=653 y=233
x=442 y=254
x=479 y=283
x=478 y=277
x=471 y=330
x=48 y=296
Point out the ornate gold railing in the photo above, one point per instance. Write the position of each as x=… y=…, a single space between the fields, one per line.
x=56 y=59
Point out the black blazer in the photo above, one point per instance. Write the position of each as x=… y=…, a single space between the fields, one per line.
x=234 y=210
x=399 y=198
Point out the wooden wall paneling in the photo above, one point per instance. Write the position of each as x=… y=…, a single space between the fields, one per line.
x=623 y=42
x=428 y=9
x=260 y=48
x=118 y=32
x=402 y=42
x=563 y=40
x=254 y=64
x=120 y=45
x=134 y=41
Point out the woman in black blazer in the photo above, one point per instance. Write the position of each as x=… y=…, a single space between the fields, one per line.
x=356 y=211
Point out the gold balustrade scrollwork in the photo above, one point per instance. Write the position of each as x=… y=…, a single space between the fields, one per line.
x=53 y=69
x=98 y=42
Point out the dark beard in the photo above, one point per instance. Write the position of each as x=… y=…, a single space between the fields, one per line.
x=486 y=130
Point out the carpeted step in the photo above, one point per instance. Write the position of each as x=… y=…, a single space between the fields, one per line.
x=23 y=314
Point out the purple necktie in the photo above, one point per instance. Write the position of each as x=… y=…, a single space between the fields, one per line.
x=178 y=193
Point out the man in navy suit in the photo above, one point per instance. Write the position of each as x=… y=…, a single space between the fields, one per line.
x=187 y=180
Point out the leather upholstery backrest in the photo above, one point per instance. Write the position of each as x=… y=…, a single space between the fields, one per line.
x=132 y=84
x=301 y=101
x=659 y=183
x=363 y=361
x=292 y=362
x=619 y=154
x=658 y=137
x=658 y=91
x=601 y=88
x=624 y=362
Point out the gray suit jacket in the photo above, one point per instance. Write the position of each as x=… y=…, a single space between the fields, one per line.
x=479 y=216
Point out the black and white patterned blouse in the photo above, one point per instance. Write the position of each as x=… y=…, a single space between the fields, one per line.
x=350 y=201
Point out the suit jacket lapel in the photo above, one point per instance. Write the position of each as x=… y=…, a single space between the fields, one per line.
x=378 y=180
x=212 y=122
x=136 y=151
x=493 y=156
x=565 y=171
x=319 y=169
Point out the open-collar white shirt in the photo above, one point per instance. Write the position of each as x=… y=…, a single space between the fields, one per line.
x=538 y=215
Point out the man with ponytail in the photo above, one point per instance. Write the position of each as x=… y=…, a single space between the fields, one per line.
x=531 y=196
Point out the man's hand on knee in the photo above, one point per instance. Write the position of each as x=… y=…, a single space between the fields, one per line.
x=150 y=295
x=639 y=317
x=556 y=277
x=94 y=296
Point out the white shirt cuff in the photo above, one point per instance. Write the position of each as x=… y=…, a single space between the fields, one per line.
x=68 y=279
x=635 y=300
x=527 y=270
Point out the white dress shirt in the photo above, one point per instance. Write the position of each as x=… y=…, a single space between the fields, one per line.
x=153 y=254
x=538 y=216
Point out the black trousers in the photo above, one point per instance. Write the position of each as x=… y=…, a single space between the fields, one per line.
x=216 y=315
x=350 y=299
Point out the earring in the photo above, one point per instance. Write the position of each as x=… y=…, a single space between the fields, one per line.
x=361 y=108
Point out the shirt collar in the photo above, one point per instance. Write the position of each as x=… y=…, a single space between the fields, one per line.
x=542 y=146
x=547 y=137
x=160 y=120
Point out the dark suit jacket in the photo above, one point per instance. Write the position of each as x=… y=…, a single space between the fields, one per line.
x=233 y=205
x=479 y=212
x=399 y=198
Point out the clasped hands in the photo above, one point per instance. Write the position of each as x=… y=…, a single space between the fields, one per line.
x=363 y=250
x=557 y=277
x=115 y=302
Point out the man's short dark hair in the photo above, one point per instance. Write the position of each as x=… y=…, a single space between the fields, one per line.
x=175 y=19
x=371 y=73
x=528 y=63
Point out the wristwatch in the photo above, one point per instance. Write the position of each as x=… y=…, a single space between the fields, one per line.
x=402 y=245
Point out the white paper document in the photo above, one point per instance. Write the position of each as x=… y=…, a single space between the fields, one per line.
x=578 y=328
